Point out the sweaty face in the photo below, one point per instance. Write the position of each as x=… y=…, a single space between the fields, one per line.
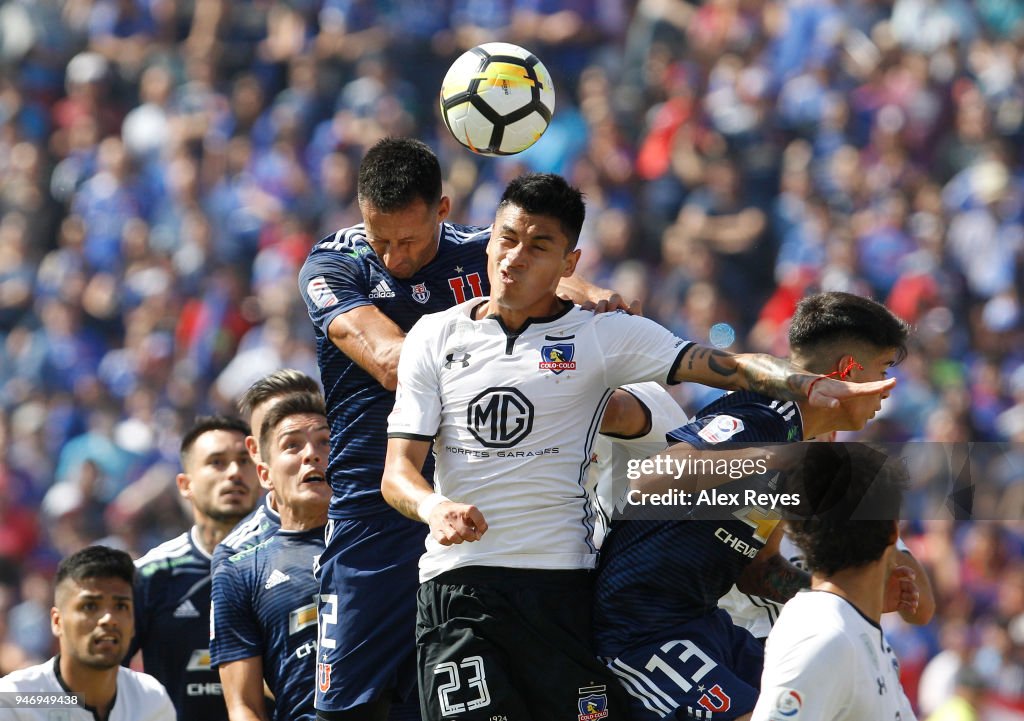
x=221 y=478
x=297 y=463
x=93 y=620
x=526 y=258
x=405 y=240
x=860 y=410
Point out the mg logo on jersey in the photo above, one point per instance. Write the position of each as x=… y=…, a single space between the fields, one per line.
x=420 y=294
x=500 y=417
x=557 y=358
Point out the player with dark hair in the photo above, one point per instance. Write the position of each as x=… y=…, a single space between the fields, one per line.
x=172 y=586
x=264 y=521
x=659 y=582
x=264 y=598
x=826 y=657
x=92 y=619
x=509 y=391
x=364 y=288
x=831 y=326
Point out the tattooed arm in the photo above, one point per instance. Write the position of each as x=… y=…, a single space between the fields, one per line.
x=767 y=374
x=409 y=493
x=772 y=576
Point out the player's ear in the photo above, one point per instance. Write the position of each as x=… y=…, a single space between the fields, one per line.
x=250 y=445
x=444 y=207
x=184 y=485
x=894 y=535
x=263 y=471
x=55 y=621
x=571 y=259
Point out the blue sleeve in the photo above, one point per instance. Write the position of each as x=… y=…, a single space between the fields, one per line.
x=742 y=423
x=140 y=602
x=234 y=626
x=332 y=283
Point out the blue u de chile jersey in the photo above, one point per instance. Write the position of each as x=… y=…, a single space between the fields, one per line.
x=172 y=626
x=658 y=574
x=342 y=273
x=264 y=604
x=252 y=530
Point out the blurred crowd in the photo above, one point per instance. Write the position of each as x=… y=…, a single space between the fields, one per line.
x=165 y=166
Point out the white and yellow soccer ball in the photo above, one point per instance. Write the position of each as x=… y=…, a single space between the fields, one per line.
x=497 y=99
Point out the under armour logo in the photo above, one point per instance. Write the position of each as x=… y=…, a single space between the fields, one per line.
x=881 y=685
x=456 y=357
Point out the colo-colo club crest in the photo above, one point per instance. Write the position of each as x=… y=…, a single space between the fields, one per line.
x=557 y=358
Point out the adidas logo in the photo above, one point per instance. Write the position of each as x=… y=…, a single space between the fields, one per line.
x=186 y=610
x=276 y=579
x=382 y=290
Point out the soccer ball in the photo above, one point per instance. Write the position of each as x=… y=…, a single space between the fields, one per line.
x=497 y=99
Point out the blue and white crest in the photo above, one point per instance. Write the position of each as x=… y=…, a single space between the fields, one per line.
x=420 y=294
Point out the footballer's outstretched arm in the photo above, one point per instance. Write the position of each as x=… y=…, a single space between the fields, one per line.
x=372 y=340
x=409 y=493
x=242 y=684
x=769 y=375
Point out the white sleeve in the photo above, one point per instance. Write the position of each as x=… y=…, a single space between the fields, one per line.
x=417 y=411
x=636 y=349
x=801 y=680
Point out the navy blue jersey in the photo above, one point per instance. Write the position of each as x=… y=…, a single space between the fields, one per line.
x=264 y=604
x=343 y=273
x=172 y=626
x=656 y=574
x=252 y=530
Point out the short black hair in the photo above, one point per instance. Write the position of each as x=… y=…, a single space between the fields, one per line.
x=205 y=424
x=96 y=562
x=291 y=405
x=551 y=195
x=397 y=171
x=850 y=495
x=834 y=316
x=278 y=383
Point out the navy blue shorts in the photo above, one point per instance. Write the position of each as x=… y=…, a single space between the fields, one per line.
x=367 y=610
x=708 y=668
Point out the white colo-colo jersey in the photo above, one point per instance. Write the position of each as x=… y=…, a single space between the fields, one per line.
x=612 y=455
x=140 y=697
x=513 y=418
x=757 y=613
x=825 y=661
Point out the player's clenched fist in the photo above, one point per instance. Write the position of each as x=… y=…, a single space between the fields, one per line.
x=452 y=523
